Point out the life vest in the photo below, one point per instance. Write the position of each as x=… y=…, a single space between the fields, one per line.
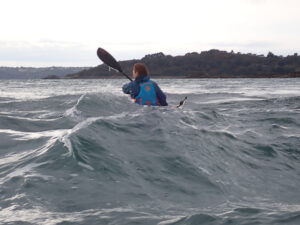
x=147 y=94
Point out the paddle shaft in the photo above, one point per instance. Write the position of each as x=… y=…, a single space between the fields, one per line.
x=125 y=75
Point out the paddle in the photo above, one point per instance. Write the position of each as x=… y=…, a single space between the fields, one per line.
x=182 y=102
x=109 y=60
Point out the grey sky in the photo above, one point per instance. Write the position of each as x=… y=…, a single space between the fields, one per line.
x=68 y=33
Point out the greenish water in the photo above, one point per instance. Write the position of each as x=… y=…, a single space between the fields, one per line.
x=79 y=152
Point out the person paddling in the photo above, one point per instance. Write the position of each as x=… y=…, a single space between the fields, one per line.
x=142 y=89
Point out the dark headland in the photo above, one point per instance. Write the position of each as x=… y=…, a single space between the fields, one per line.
x=207 y=64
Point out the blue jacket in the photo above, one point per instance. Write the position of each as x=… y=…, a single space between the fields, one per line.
x=133 y=88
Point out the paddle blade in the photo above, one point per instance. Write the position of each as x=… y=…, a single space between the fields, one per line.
x=108 y=59
x=182 y=102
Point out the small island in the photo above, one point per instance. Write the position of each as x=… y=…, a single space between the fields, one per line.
x=207 y=64
x=51 y=77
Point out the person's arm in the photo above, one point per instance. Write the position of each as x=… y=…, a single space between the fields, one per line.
x=131 y=88
x=127 y=88
x=160 y=95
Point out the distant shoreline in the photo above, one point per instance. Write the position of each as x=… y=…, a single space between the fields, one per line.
x=212 y=64
x=207 y=64
x=194 y=77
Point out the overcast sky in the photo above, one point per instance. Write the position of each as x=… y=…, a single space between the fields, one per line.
x=68 y=32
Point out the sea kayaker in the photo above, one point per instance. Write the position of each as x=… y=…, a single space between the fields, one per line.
x=143 y=90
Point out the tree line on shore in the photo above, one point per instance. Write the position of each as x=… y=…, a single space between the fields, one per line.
x=210 y=63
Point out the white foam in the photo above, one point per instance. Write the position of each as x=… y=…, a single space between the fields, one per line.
x=22 y=135
x=24 y=172
x=74 y=111
x=86 y=166
x=171 y=220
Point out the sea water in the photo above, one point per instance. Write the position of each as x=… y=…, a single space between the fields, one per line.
x=80 y=152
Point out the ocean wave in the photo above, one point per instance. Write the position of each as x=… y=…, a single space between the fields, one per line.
x=87 y=155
